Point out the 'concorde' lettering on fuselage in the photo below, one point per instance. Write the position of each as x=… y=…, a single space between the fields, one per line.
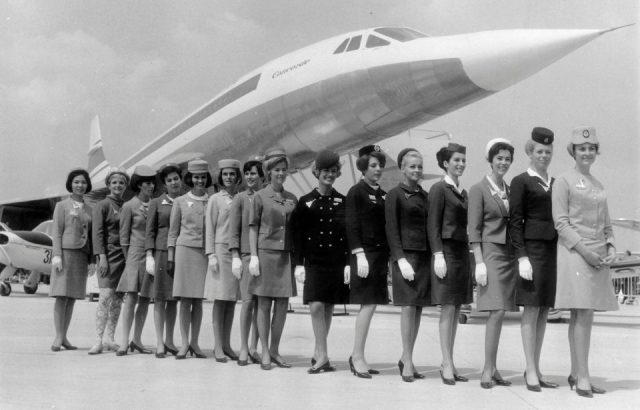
x=293 y=67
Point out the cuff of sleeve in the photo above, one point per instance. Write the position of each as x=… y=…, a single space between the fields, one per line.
x=357 y=250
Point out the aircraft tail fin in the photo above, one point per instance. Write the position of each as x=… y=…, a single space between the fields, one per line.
x=97 y=162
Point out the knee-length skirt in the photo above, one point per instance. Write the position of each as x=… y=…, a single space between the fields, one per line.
x=223 y=285
x=372 y=289
x=416 y=292
x=161 y=282
x=71 y=281
x=456 y=288
x=325 y=284
x=276 y=276
x=499 y=293
x=245 y=279
x=541 y=291
x=190 y=272
x=115 y=259
x=582 y=286
x=133 y=277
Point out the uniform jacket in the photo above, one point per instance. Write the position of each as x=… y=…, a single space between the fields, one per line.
x=530 y=211
x=157 y=228
x=239 y=215
x=320 y=235
x=71 y=227
x=186 y=224
x=272 y=216
x=365 y=218
x=406 y=220
x=488 y=217
x=133 y=223
x=580 y=209
x=217 y=220
x=106 y=225
x=447 y=218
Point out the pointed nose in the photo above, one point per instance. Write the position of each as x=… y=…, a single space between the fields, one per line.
x=495 y=60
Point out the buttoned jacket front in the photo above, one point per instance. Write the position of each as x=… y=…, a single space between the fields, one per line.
x=133 y=223
x=186 y=225
x=488 y=216
x=406 y=220
x=239 y=218
x=106 y=225
x=157 y=228
x=272 y=215
x=319 y=229
x=71 y=227
x=365 y=218
x=217 y=220
x=447 y=217
x=530 y=211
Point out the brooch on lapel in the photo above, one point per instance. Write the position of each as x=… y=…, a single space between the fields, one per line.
x=189 y=204
x=581 y=184
x=165 y=202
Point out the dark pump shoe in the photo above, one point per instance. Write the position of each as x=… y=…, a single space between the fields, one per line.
x=141 y=349
x=280 y=363
x=324 y=368
x=531 y=387
x=357 y=373
x=198 y=355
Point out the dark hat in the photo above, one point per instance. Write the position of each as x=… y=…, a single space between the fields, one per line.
x=402 y=153
x=368 y=150
x=542 y=135
x=142 y=173
x=453 y=147
x=166 y=169
x=327 y=159
x=74 y=173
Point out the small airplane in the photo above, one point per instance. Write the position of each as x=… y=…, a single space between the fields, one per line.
x=25 y=252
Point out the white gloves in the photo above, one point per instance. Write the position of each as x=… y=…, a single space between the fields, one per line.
x=347 y=274
x=254 y=266
x=363 y=265
x=299 y=273
x=406 y=269
x=236 y=267
x=439 y=265
x=56 y=262
x=525 y=269
x=481 y=274
x=213 y=263
x=150 y=265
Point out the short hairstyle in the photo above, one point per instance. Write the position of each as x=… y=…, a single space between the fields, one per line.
x=137 y=180
x=316 y=172
x=74 y=173
x=238 y=176
x=250 y=164
x=530 y=145
x=410 y=154
x=165 y=171
x=271 y=163
x=443 y=154
x=188 y=181
x=362 y=163
x=497 y=147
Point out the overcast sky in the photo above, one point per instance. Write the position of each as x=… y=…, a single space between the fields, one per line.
x=144 y=65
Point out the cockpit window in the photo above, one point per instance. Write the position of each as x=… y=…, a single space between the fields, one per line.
x=341 y=47
x=375 y=41
x=400 y=33
x=354 y=44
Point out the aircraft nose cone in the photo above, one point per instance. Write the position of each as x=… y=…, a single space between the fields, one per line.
x=495 y=60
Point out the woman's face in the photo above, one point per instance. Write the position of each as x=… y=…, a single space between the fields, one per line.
x=374 y=170
x=328 y=176
x=412 y=169
x=79 y=185
x=199 y=181
x=456 y=164
x=585 y=154
x=279 y=173
x=147 y=188
x=501 y=162
x=229 y=176
x=541 y=156
x=173 y=183
x=253 y=178
x=117 y=184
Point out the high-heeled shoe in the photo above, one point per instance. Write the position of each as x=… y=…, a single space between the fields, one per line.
x=487 y=385
x=161 y=355
x=573 y=382
x=198 y=355
x=584 y=393
x=222 y=359
x=170 y=350
x=416 y=375
x=501 y=381
x=361 y=375
x=141 y=349
x=531 y=387
x=548 y=385
x=450 y=382
x=459 y=378
x=597 y=390
x=230 y=354
x=280 y=363
x=266 y=366
x=244 y=362
x=373 y=371
x=326 y=367
x=254 y=357
x=181 y=356
x=69 y=346
x=408 y=379
x=121 y=352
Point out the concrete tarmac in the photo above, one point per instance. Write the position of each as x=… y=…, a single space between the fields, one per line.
x=34 y=377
